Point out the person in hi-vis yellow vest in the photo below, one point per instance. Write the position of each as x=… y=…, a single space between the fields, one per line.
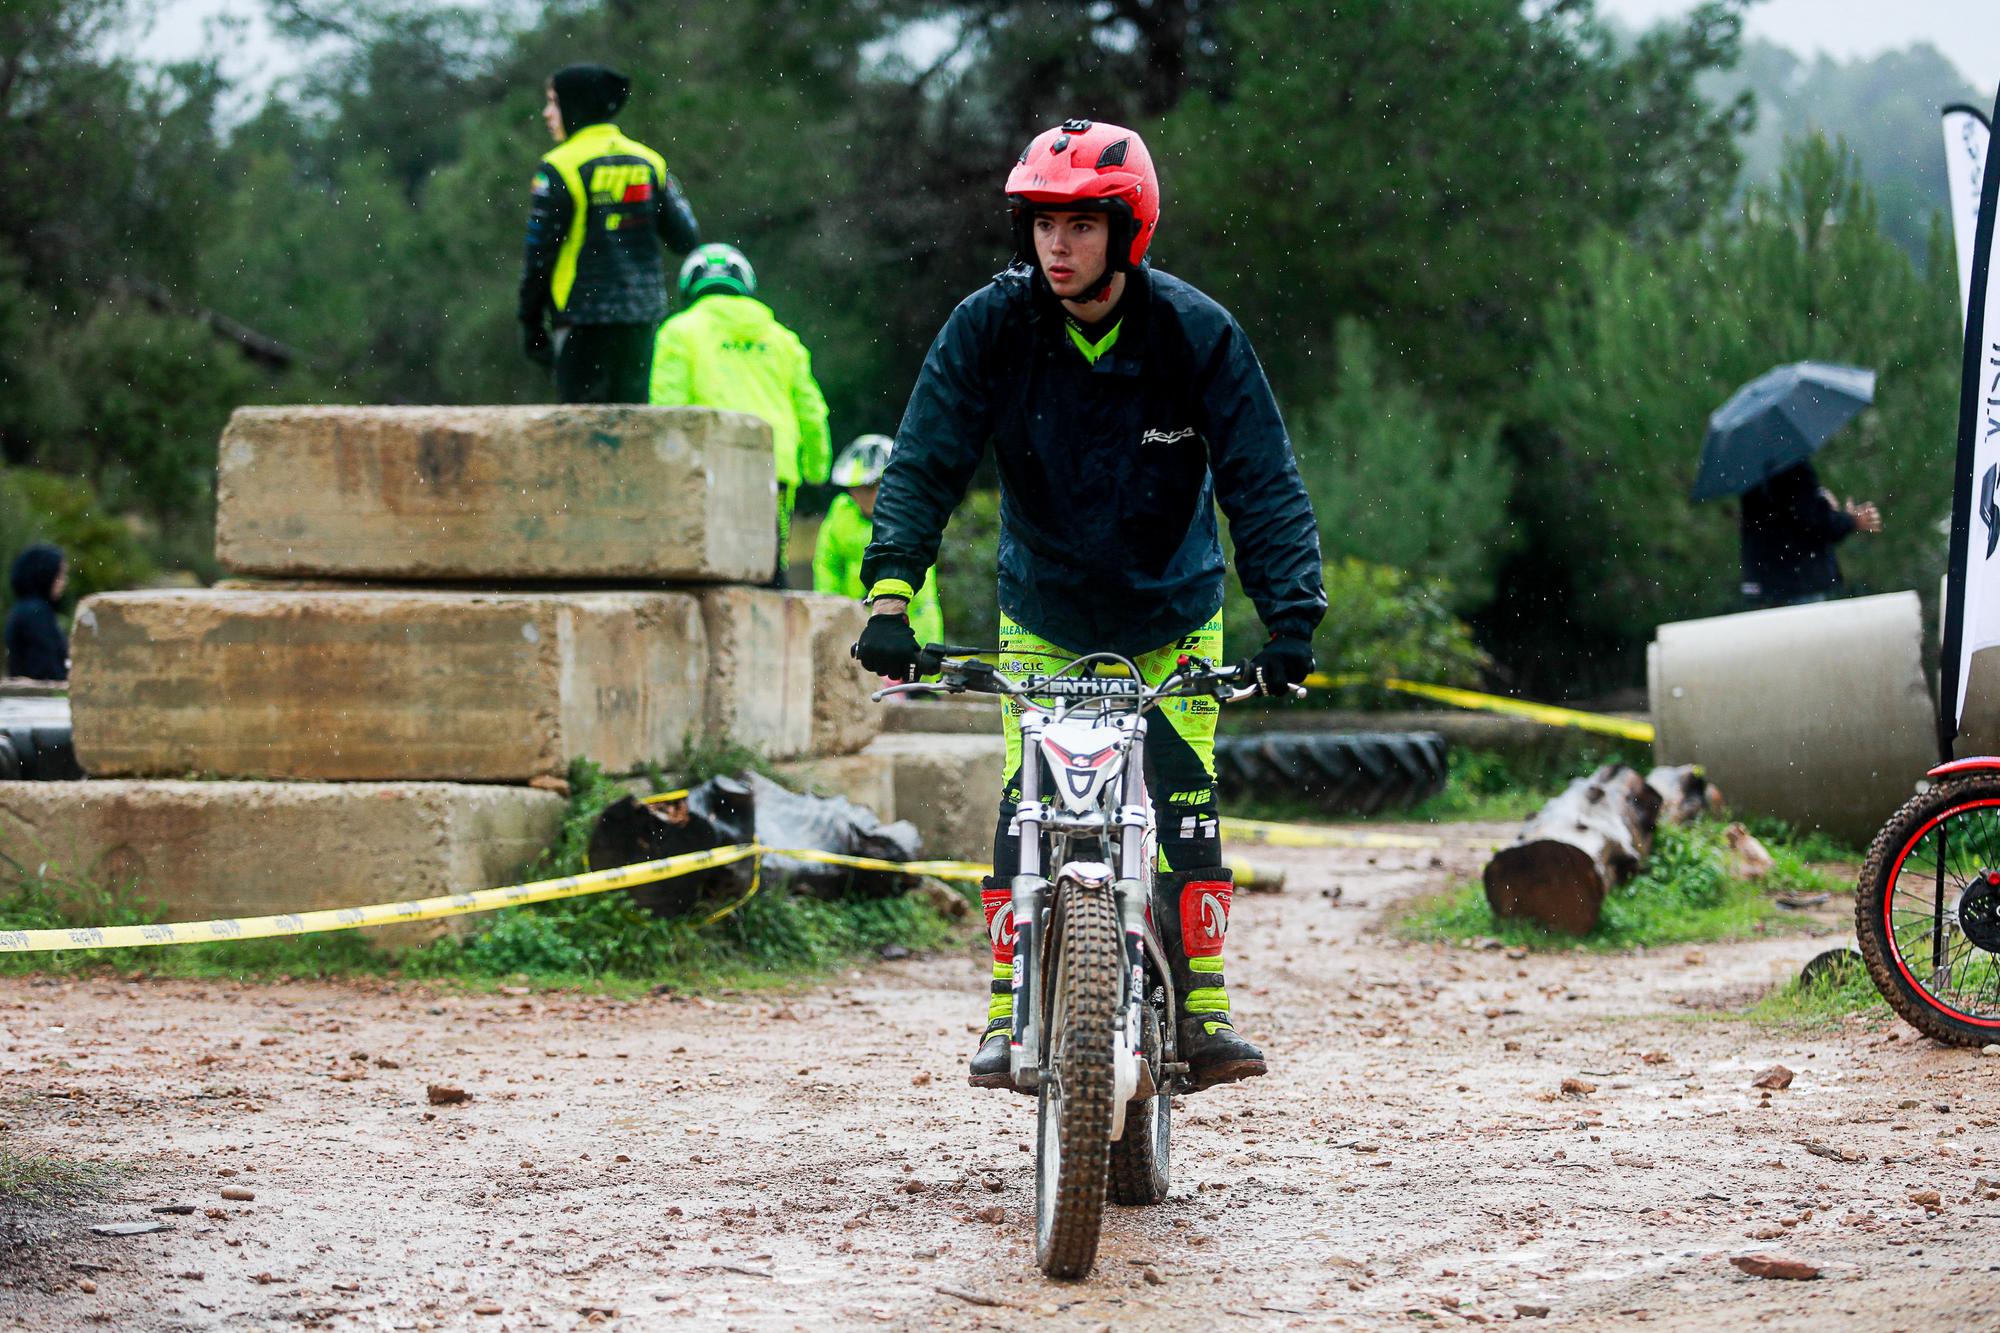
x=727 y=349
x=591 y=266
x=850 y=524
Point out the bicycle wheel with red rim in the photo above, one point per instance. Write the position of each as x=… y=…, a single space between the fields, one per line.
x=1927 y=911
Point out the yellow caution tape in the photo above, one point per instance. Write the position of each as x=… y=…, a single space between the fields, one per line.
x=1549 y=715
x=462 y=904
x=377 y=914
x=600 y=881
x=958 y=870
x=1260 y=833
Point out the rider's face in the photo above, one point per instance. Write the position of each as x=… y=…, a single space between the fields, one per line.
x=1072 y=248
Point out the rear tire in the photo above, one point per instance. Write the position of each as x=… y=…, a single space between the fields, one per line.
x=1139 y=1159
x=1933 y=972
x=1073 y=1118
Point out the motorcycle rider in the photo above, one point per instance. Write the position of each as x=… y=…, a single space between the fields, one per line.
x=1123 y=406
x=602 y=204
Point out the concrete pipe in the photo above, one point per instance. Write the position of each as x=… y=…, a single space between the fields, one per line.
x=1819 y=715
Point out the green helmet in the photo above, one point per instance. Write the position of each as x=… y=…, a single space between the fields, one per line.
x=863 y=461
x=716 y=267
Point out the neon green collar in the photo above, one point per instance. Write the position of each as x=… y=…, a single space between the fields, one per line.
x=1093 y=350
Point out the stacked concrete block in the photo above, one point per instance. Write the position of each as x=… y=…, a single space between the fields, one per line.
x=491 y=494
x=459 y=601
x=378 y=686
x=220 y=849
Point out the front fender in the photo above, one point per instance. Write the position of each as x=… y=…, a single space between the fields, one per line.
x=1984 y=763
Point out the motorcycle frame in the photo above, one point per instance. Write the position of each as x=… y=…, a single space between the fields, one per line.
x=1037 y=900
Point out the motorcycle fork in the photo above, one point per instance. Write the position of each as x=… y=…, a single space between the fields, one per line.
x=1027 y=1057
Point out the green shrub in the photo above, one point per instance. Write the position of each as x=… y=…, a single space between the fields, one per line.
x=1393 y=484
x=1379 y=622
x=968 y=571
x=38 y=506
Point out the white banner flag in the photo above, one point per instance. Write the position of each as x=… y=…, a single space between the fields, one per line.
x=1972 y=601
x=1965 y=144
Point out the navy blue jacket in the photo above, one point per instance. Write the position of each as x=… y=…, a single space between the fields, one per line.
x=36 y=647
x=1789 y=532
x=1109 y=472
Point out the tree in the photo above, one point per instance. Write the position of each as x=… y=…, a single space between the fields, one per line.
x=1393 y=484
x=1646 y=343
x=1432 y=168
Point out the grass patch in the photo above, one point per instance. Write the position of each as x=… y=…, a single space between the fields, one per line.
x=46 y=1183
x=600 y=940
x=1828 y=999
x=1686 y=894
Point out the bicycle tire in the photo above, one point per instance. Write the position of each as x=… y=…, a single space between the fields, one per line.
x=1139 y=1159
x=1073 y=1107
x=1970 y=806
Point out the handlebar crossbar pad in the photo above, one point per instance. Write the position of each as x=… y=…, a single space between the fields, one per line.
x=1083 y=687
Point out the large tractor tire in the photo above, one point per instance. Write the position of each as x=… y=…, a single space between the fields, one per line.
x=37 y=754
x=1360 y=772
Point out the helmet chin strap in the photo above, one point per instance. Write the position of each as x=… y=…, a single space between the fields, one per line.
x=1102 y=291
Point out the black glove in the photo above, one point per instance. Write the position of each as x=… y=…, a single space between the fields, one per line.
x=888 y=646
x=1285 y=662
x=536 y=345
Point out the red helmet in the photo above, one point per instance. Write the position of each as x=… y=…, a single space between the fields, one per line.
x=1089 y=167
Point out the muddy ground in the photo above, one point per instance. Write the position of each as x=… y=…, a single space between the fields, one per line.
x=812 y=1159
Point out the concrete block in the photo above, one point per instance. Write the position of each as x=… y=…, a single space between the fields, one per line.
x=865 y=779
x=967 y=715
x=843 y=718
x=948 y=786
x=362 y=686
x=1819 y=715
x=486 y=493
x=760 y=684
x=215 y=849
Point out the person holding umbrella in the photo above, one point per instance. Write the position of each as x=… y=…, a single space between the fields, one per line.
x=1760 y=445
x=1791 y=524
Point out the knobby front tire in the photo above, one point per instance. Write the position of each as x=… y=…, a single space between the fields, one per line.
x=1927 y=863
x=1074 y=1114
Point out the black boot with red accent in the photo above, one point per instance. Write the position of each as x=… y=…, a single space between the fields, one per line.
x=989 y=1062
x=1191 y=912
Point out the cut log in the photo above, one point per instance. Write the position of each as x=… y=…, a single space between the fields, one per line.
x=1686 y=794
x=1576 y=849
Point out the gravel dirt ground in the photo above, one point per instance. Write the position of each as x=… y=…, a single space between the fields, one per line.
x=811 y=1158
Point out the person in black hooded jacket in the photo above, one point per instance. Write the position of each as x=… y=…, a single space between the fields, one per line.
x=602 y=204
x=36 y=647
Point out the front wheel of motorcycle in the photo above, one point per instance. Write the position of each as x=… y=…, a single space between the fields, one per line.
x=1074 y=1111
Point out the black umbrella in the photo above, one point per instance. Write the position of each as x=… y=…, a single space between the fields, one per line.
x=1777 y=421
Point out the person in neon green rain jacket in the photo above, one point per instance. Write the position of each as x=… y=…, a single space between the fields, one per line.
x=727 y=350
x=850 y=525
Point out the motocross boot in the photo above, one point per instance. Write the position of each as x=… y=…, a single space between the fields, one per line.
x=989 y=1062
x=1191 y=912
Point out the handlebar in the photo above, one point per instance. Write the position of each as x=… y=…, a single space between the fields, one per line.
x=960 y=673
